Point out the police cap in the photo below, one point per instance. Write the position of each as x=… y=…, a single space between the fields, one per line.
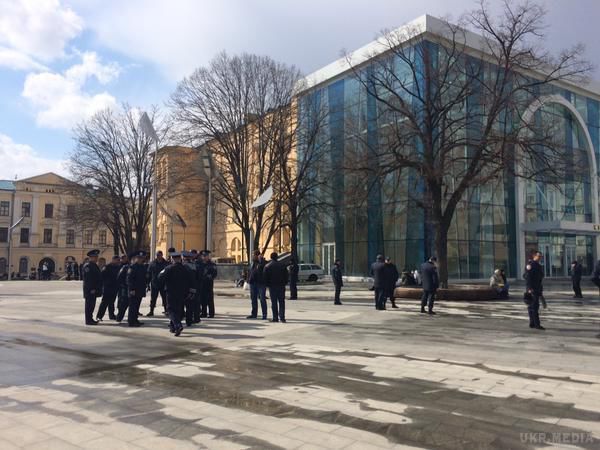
x=94 y=252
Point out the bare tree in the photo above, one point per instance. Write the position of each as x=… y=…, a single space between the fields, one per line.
x=112 y=168
x=228 y=107
x=452 y=111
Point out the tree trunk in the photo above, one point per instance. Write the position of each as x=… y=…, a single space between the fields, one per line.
x=294 y=248
x=441 y=249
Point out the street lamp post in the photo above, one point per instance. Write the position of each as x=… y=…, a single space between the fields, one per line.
x=10 y=231
x=146 y=126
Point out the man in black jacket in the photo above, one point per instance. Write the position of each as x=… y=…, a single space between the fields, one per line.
x=156 y=267
x=430 y=284
x=338 y=282
x=276 y=277
x=178 y=282
x=136 y=287
x=123 y=296
x=258 y=290
x=208 y=276
x=378 y=274
x=391 y=277
x=110 y=288
x=534 y=276
x=92 y=285
x=576 y=274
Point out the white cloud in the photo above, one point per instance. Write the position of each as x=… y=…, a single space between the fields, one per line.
x=59 y=98
x=35 y=30
x=23 y=161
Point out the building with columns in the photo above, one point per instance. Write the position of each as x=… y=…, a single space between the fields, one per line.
x=45 y=235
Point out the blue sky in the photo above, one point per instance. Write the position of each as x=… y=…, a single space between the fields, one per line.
x=60 y=61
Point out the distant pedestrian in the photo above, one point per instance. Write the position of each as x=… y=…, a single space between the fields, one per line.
x=69 y=271
x=534 y=276
x=294 y=271
x=431 y=283
x=258 y=290
x=76 y=270
x=92 y=285
x=391 y=278
x=156 y=267
x=337 y=277
x=276 y=278
x=209 y=274
x=576 y=274
x=379 y=285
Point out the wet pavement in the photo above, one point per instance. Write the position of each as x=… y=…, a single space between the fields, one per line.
x=341 y=377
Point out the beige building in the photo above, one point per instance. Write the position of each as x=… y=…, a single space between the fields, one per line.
x=44 y=235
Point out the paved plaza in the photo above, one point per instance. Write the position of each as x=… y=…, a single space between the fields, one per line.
x=340 y=377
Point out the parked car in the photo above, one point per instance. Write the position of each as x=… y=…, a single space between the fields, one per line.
x=310 y=272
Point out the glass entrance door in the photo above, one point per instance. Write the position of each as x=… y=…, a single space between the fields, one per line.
x=328 y=257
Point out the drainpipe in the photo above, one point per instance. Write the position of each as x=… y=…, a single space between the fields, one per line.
x=10 y=230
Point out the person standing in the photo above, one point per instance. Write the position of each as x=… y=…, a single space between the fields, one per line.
x=156 y=267
x=338 y=282
x=294 y=271
x=276 y=278
x=110 y=289
x=576 y=274
x=69 y=271
x=209 y=274
x=379 y=285
x=136 y=287
x=258 y=290
x=430 y=282
x=178 y=283
x=391 y=277
x=123 y=296
x=534 y=276
x=76 y=270
x=92 y=285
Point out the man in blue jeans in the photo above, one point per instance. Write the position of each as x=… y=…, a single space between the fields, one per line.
x=258 y=290
x=276 y=277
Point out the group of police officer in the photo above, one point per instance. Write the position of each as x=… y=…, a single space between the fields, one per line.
x=184 y=281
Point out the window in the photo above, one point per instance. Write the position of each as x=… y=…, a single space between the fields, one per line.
x=25 y=209
x=70 y=211
x=102 y=237
x=70 y=237
x=24 y=235
x=88 y=236
x=3 y=234
x=47 y=235
x=4 y=207
x=23 y=265
x=49 y=211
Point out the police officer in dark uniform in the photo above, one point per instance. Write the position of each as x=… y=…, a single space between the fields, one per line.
x=123 y=296
x=178 y=282
x=136 y=287
x=192 y=302
x=92 y=285
x=338 y=282
x=430 y=283
x=110 y=289
x=534 y=276
x=156 y=267
x=209 y=274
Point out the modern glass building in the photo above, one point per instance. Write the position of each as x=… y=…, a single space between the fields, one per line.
x=495 y=225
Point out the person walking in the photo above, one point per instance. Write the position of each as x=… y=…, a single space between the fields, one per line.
x=338 y=283
x=430 y=283
x=534 y=276
x=379 y=284
x=391 y=277
x=136 y=287
x=258 y=290
x=92 y=285
x=576 y=274
x=157 y=266
x=177 y=281
x=276 y=278
x=110 y=288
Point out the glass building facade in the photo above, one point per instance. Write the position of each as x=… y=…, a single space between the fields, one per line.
x=491 y=228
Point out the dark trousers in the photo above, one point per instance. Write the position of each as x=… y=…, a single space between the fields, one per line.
x=108 y=301
x=197 y=307
x=577 y=288
x=175 y=310
x=90 y=304
x=134 y=309
x=190 y=303
x=123 y=304
x=277 y=294
x=379 y=298
x=427 y=299
x=258 y=292
x=208 y=302
x=533 y=309
x=154 y=291
x=338 y=290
